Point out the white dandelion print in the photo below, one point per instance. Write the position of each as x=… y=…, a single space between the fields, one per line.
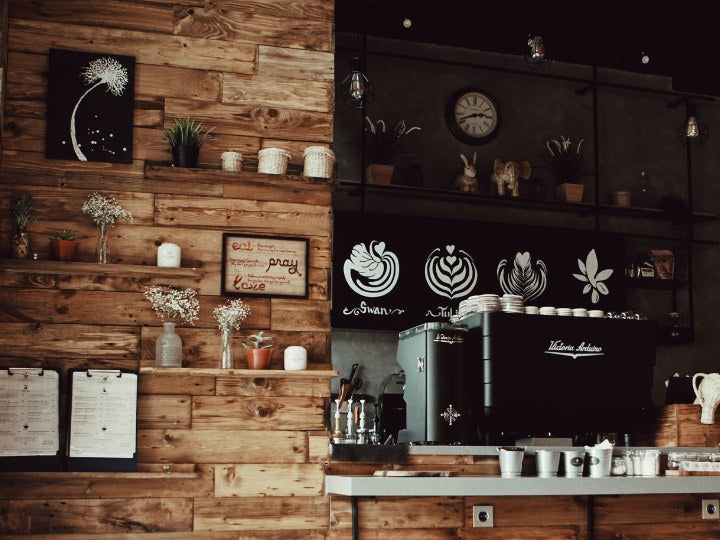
x=90 y=106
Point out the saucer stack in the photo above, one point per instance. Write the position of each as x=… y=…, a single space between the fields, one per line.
x=579 y=312
x=596 y=313
x=512 y=303
x=532 y=310
x=489 y=302
x=564 y=312
x=547 y=310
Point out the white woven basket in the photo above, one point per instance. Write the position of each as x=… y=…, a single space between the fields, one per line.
x=273 y=160
x=231 y=161
x=319 y=162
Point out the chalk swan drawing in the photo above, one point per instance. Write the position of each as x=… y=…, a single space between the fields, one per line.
x=377 y=268
x=449 y=274
x=592 y=278
x=522 y=279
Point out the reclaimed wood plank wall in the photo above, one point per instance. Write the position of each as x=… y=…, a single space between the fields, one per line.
x=261 y=72
x=217 y=456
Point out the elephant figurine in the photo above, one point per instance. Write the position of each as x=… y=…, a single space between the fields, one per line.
x=509 y=173
x=467 y=181
x=708 y=395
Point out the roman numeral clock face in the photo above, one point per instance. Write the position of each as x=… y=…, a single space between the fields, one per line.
x=472 y=116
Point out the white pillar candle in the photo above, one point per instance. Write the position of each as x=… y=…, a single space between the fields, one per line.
x=295 y=358
x=168 y=255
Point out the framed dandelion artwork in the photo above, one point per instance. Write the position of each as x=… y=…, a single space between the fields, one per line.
x=90 y=106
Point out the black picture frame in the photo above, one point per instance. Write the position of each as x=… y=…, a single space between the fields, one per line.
x=90 y=106
x=261 y=271
x=455 y=129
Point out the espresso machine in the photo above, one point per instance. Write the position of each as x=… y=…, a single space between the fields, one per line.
x=436 y=394
x=495 y=375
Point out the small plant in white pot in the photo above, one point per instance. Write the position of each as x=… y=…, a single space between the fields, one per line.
x=258 y=355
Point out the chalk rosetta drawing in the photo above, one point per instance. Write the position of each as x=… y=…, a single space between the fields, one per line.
x=371 y=271
x=103 y=70
x=592 y=278
x=522 y=279
x=449 y=274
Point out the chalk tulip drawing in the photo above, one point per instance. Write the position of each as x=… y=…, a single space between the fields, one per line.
x=90 y=106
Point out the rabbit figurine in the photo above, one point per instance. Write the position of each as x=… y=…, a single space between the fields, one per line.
x=467 y=181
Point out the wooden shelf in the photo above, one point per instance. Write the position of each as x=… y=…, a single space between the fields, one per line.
x=158 y=171
x=30 y=266
x=245 y=373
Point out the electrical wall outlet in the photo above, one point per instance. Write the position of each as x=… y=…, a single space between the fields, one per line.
x=483 y=516
x=711 y=508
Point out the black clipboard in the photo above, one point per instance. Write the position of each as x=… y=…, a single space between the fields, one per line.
x=33 y=394
x=102 y=420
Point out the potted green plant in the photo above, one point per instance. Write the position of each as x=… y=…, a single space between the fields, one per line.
x=63 y=246
x=567 y=162
x=186 y=136
x=258 y=355
x=381 y=147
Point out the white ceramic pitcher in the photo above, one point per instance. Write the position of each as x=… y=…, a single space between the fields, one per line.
x=708 y=395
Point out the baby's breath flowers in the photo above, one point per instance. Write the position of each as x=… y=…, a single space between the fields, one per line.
x=105 y=210
x=174 y=305
x=230 y=315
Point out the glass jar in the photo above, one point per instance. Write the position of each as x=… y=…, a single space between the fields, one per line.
x=168 y=348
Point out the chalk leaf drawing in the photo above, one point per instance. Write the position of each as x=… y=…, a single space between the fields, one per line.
x=592 y=278
x=371 y=271
x=103 y=70
x=450 y=274
x=522 y=278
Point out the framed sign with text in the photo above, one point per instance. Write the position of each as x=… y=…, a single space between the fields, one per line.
x=264 y=266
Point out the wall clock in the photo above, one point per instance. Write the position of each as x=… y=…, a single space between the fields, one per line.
x=473 y=116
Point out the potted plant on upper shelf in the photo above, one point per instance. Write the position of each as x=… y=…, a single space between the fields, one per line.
x=566 y=161
x=258 y=355
x=186 y=137
x=381 y=147
x=63 y=246
x=22 y=207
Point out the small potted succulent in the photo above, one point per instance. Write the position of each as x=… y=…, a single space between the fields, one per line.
x=258 y=355
x=63 y=246
x=569 y=167
x=186 y=137
x=381 y=145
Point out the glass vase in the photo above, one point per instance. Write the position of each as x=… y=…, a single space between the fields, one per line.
x=168 y=347
x=20 y=248
x=102 y=248
x=226 y=352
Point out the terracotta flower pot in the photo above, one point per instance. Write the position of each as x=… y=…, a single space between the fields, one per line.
x=569 y=192
x=258 y=358
x=379 y=174
x=63 y=250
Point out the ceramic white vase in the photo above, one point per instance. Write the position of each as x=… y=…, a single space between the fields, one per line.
x=168 y=348
x=708 y=395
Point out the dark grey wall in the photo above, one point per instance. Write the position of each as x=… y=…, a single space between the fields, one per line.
x=637 y=131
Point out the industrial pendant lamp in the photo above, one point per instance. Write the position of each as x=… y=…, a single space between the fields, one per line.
x=692 y=132
x=356 y=88
x=536 y=58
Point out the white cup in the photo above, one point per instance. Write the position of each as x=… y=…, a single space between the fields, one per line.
x=295 y=358
x=231 y=161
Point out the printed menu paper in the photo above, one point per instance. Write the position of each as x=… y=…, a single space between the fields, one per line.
x=103 y=414
x=29 y=416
